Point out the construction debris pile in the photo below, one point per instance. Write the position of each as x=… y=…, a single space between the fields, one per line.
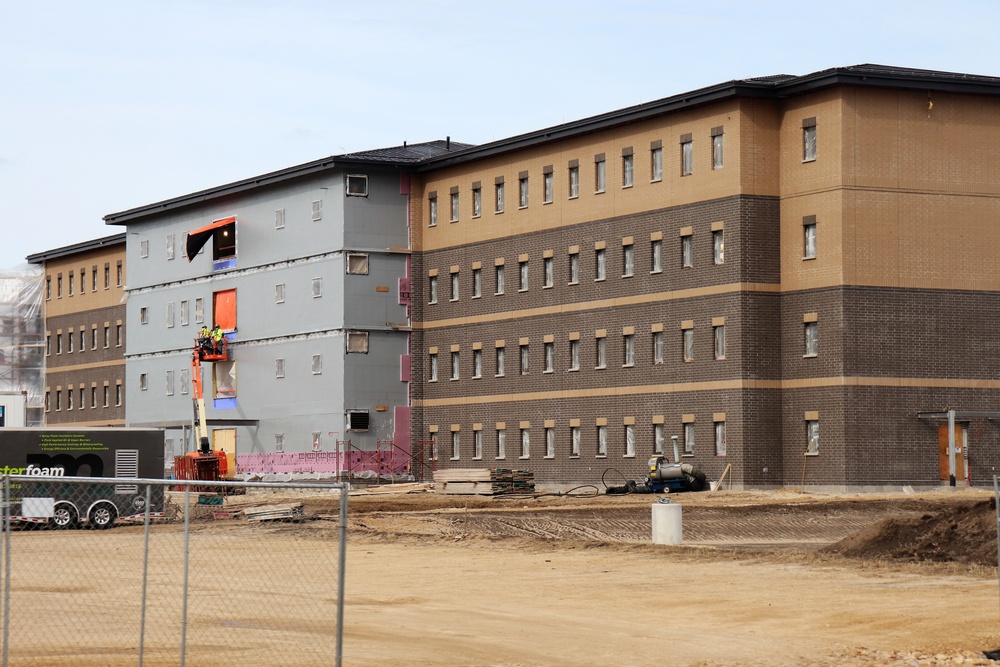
x=484 y=481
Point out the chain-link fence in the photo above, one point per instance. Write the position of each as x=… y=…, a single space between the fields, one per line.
x=153 y=572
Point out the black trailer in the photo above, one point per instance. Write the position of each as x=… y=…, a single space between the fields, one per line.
x=40 y=459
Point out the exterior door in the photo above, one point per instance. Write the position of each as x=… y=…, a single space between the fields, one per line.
x=225 y=439
x=960 y=439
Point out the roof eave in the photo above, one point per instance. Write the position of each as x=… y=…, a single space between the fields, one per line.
x=76 y=248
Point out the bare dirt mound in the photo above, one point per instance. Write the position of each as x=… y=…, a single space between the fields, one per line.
x=961 y=534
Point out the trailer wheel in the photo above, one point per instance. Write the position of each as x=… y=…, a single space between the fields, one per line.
x=102 y=516
x=64 y=516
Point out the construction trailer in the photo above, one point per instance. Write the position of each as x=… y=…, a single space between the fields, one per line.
x=49 y=455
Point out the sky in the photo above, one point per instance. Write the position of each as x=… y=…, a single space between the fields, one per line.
x=112 y=104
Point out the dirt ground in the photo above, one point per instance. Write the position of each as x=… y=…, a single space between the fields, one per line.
x=775 y=578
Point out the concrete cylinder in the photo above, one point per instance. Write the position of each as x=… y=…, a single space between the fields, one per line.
x=667 y=527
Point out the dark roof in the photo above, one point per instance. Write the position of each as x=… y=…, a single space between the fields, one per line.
x=396 y=156
x=437 y=154
x=76 y=248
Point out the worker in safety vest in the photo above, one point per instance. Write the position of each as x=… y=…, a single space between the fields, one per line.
x=217 y=338
x=205 y=339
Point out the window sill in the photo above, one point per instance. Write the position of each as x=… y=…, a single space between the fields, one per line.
x=812 y=453
x=720 y=358
x=626 y=187
x=499 y=376
x=809 y=356
x=521 y=208
x=811 y=159
x=656 y=180
x=546 y=287
x=454 y=458
x=598 y=192
x=601 y=456
x=477 y=458
x=477 y=377
x=523 y=458
x=577 y=282
x=548 y=372
x=453 y=379
x=477 y=216
x=453 y=221
x=498 y=212
x=449 y=300
x=498 y=293
x=479 y=296
x=574 y=197
x=655 y=271
x=628 y=456
x=573 y=456
x=431 y=381
x=687 y=455
x=549 y=456
x=719 y=263
x=804 y=259
x=432 y=303
x=432 y=224
x=628 y=275
x=500 y=458
x=546 y=203
x=720 y=456
x=523 y=289
x=599 y=280
x=572 y=370
x=600 y=368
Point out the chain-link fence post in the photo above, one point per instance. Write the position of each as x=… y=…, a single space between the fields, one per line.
x=6 y=568
x=145 y=575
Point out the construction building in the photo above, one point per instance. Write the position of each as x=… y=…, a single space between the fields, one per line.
x=305 y=269
x=794 y=275
x=22 y=362
x=84 y=332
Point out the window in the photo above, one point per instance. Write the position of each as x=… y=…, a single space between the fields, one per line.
x=689 y=438
x=170 y=246
x=720 y=438
x=477 y=202
x=477 y=283
x=143 y=315
x=69 y=342
x=600 y=271
x=107 y=336
x=69 y=398
x=548 y=270
x=317 y=210
x=455 y=445
x=500 y=279
x=574 y=355
x=58 y=400
x=600 y=173
x=574 y=181
x=812 y=436
x=574 y=268
x=718 y=247
x=688 y=341
x=170 y=383
x=501 y=443
x=93 y=283
x=548 y=186
x=279 y=368
x=628 y=350
x=317 y=288
x=432 y=214
x=574 y=440
x=432 y=289
x=279 y=219
x=59 y=343
x=59 y=285
x=501 y=359
x=499 y=197
x=525 y=358
x=812 y=339
x=48 y=401
x=687 y=253
x=455 y=365
x=184 y=313
x=656 y=256
x=143 y=249
x=454 y=287
x=719 y=336
x=357 y=185
x=48 y=345
x=357 y=342
x=120 y=274
x=550 y=357
x=454 y=207
x=601 y=355
x=279 y=442
x=477 y=444
x=93 y=338
x=93 y=397
x=809 y=139
x=628 y=260
x=432 y=367
x=687 y=155
x=629 y=440
x=107 y=276
x=602 y=440
x=522 y=191
x=358 y=420
x=809 y=237
x=657 y=347
x=199 y=311
x=658 y=438
x=83 y=339
x=185 y=381
x=525 y=443
x=83 y=281
x=119 y=330
x=71 y=283
x=142 y=382
x=357 y=263
x=716 y=148
x=550 y=443
x=171 y=309
x=477 y=363
x=522 y=279
x=656 y=162
x=106 y=396
x=279 y=293
x=628 y=164
x=118 y=395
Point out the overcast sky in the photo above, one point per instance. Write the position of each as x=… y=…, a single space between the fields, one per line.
x=112 y=104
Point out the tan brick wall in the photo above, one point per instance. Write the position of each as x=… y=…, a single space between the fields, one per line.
x=88 y=299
